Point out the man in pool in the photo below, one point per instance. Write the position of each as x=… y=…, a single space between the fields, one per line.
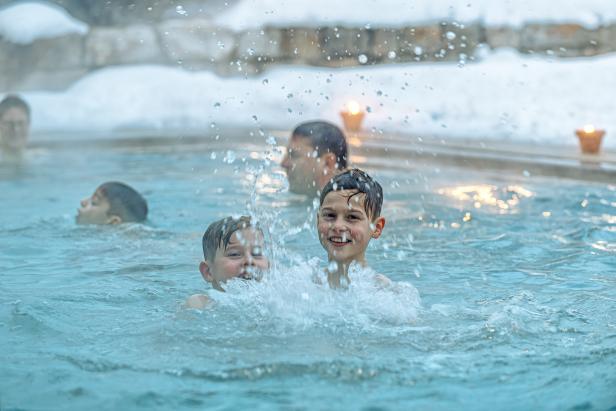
x=316 y=152
x=113 y=203
x=14 y=125
x=349 y=216
x=232 y=248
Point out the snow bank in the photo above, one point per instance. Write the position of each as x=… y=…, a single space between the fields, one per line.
x=505 y=97
x=250 y=14
x=26 y=22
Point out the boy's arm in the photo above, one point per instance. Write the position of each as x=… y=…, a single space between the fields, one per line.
x=198 y=301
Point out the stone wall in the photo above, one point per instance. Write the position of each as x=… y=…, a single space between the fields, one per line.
x=195 y=44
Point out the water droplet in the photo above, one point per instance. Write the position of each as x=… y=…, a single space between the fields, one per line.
x=363 y=59
x=271 y=140
x=418 y=51
x=213 y=155
x=391 y=55
x=180 y=10
x=450 y=35
x=265 y=81
x=229 y=157
x=217 y=104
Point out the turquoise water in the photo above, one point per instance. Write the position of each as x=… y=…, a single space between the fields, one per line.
x=516 y=276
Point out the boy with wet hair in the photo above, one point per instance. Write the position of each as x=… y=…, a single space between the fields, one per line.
x=113 y=203
x=349 y=216
x=316 y=152
x=14 y=124
x=232 y=248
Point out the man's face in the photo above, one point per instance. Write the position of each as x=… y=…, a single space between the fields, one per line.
x=344 y=227
x=94 y=210
x=302 y=166
x=14 y=129
x=242 y=258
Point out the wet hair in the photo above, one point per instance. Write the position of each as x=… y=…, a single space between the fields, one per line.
x=124 y=202
x=362 y=183
x=12 y=101
x=219 y=233
x=325 y=138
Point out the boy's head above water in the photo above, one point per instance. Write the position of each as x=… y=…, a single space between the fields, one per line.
x=14 y=123
x=349 y=216
x=317 y=151
x=232 y=248
x=112 y=203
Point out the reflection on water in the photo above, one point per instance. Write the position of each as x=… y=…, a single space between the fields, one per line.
x=504 y=199
x=92 y=317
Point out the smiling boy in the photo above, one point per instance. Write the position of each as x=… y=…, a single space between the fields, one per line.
x=349 y=216
x=232 y=248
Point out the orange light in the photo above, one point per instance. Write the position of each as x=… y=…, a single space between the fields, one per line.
x=353 y=107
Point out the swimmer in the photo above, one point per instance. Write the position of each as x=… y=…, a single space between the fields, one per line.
x=232 y=248
x=349 y=216
x=316 y=152
x=14 y=125
x=112 y=203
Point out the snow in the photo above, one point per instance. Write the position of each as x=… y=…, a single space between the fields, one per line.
x=506 y=96
x=25 y=22
x=252 y=14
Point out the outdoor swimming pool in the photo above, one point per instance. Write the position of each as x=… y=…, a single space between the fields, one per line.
x=516 y=276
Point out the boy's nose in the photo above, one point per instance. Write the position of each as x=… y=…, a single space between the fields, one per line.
x=285 y=162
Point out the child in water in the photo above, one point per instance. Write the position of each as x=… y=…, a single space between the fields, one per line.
x=112 y=203
x=349 y=216
x=232 y=248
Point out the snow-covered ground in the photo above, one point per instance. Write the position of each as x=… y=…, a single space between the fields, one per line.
x=503 y=95
x=391 y=13
x=27 y=21
x=506 y=96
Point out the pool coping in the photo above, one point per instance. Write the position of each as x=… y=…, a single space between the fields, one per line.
x=383 y=150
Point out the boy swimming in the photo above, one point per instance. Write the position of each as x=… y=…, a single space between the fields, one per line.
x=112 y=203
x=232 y=248
x=349 y=216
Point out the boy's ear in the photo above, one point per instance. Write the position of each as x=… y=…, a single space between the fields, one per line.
x=204 y=269
x=379 y=224
x=114 y=219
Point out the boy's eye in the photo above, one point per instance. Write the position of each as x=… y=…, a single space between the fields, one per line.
x=329 y=215
x=234 y=254
x=353 y=217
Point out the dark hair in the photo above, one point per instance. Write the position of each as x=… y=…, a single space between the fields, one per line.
x=220 y=232
x=11 y=101
x=362 y=183
x=325 y=138
x=124 y=201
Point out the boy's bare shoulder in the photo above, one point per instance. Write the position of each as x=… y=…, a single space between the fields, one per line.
x=198 y=301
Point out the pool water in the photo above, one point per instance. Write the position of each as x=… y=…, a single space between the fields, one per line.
x=506 y=294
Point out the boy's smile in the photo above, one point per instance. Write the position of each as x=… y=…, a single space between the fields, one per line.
x=344 y=227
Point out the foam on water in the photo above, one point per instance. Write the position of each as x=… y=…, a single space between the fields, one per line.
x=288 y=298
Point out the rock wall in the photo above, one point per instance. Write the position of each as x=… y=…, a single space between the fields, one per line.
x=196 y=44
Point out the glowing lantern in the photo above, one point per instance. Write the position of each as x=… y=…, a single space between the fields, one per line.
x=590 y=139
x=352 y=116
